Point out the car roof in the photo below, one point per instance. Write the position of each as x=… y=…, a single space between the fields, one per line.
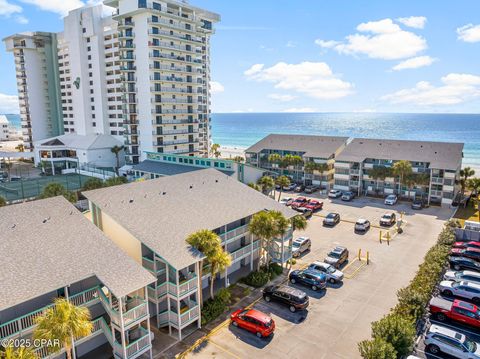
x=322 y=264
x=391 y=195
x=472 y=273
x=446 y=331
x=472 y=249
x=464 y=304
x=388 y=214
x=258 y=315
x=332 y=214
x=301 y=239
x=313 y=272
x=362 y=220
x=470 y=284
x=339 y=249
x=290 y=290
x=454 y=258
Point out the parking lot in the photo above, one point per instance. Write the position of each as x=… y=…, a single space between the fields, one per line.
x=338 y=318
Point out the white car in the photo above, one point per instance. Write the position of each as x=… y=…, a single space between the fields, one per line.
x=335 y=193
x=362 y=225
x=461 y=289
x=286 y=200
x=333 y=274
x=466 y=275
x=444 y=340
x=301 y=245
x=391 y=199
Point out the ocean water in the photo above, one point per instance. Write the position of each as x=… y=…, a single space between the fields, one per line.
x=244 y=129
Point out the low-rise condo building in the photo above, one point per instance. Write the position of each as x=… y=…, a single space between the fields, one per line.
x=435 y=166
x=151 y=220
x=50 y=250
x=313 y=149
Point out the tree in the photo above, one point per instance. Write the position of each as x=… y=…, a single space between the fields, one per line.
x=473 y=184
x=299 y=222
x=376 y=349
x=215 y=149
x=282 y=181
x=115 y=181
x=92 y=183
x=465 y=174
x=55 y=189
x=398 y=330
x=18 y=353
x=3 y=202
x=254 y=186
x=63 y=322
x=266 y=183
x=116 y=151
x=238 y=159
x=377 y=173
x=210 y=245
x=402 y=169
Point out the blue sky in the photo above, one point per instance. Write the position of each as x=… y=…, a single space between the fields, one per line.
x=305 y=55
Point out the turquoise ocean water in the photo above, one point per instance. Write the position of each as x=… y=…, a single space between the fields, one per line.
x=244 y=129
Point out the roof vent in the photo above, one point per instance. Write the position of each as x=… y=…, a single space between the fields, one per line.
x=14 y=225
x=46 y=220
x=130 y=201
x=216 y=181
x=145 y=196
x=191 y=186
x=164 y=193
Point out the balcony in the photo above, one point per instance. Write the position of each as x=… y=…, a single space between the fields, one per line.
x=234 y=233
x=185 y=318
x=437 y=180
x=136 y=310
x=172 y=111
x=184 y=288
x=163 y=33
x=175 y=142
x=155 y=294
x=170 y=89
x=153 y=267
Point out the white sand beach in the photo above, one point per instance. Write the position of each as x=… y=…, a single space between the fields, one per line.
x=229 y=152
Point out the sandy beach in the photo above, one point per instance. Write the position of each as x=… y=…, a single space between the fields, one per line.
x=9 y=146
x=229 y=152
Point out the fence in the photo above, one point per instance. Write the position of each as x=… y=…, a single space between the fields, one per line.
x=467 y=235
x=31 y=188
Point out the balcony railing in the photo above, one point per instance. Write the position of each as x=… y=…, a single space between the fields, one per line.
x=185 y=318
x=183 y=288
x=234 y=233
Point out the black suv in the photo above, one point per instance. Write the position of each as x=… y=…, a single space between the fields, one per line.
x=295 y=299
x=337 y=256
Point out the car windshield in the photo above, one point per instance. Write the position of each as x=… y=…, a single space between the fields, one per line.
x=330 y=216
x=334 y=254
x=387 y=216
x=296 y=244
x=331 y=269
x=470 y=345
x=268 y=324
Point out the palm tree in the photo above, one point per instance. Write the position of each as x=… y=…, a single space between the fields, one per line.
x=238 y=159
x=255 y=186
x=216 y=150
x=92 y=183
x=20 y=147
x=263 y=227
x=115 y=181
x=54 y=189
x=473 y=184
x=322 y=167
x=465 y=174
x=309 y=168
x=298 y=222
x=266 y=183
x=116 y=151
x=277 y=159
x=376 y=173
x=282 y=181
x=63 y=322
x=18 y=353
x=402 y=169
x=3 y=202
x=210 y=244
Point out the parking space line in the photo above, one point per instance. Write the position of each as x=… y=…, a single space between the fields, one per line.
x=363 y=263
x=223 y=349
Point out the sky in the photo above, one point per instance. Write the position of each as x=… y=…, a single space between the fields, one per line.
x=315 y=55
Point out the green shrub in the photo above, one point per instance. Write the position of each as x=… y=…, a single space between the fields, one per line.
x=223 y=295
x=276 y=269
x=256 y=279
x=92 y=183
x=114 y=181
x=292 y=261
x=214 y=308
x=397 y=330
x=377 y=349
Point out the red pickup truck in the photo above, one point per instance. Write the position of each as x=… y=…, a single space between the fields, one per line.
x=458 y=310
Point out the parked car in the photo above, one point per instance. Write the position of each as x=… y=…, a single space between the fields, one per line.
x=333 y=274
x=299 y=188
x=15 y=178
x=254 y=321
x=295 y=299
x=314 y=205
x=301 y=245
x=461 y=289
x=286 y=201
x=310 y=278
x=306 y=212
x=466 y=275
x=418 y=204
x=290 y=187
x=348 y=196
x=362 y=225
x=299 y=202
x=337 y=256
x=473 y=253
x=391 y=199
x=334 y=193
x=458 y=311
x=388 y=219
x=459 y=263
x=466 y=245
x=331 y=219
x=311 y=189
x=439 y=339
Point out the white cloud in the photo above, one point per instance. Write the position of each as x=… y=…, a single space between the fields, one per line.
x=417 y=22
x=381 y=39
x=291 y=44
x=8 y=103
x=216 y=87
x=469 y=33
x=7 y=9
x=280 y=97
x=300 y=109
x=61 y=7
x=455 y=89
x=21 y=19
x=414 y=63
x=314 y=79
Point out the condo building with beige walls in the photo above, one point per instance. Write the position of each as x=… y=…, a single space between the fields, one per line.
x=150 y=221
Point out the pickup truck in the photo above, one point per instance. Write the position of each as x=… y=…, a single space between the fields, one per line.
x=458 y=311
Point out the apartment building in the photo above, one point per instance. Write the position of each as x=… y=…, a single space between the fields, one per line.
x=150 y=221
x=316 y=149
x=435 y=164
x=50 y=250
x=36 y=68
x=165 y=61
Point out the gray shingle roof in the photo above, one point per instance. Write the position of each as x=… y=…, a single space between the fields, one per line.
x=313 y=146
x=167 y=169
x=441 y=155
x=48 y=244
x=162 y=212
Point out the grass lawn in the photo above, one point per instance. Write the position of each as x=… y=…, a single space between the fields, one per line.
x=469 y=213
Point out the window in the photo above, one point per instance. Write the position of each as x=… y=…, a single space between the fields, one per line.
x=157 y=6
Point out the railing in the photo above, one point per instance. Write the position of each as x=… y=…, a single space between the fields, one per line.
x=437 y=180
x=186 y=317
x=183 y=288
x=150 y=265
x=138 y=311
x=164 y=316
x=234 y=233
x=158 y=292
x=240 y=253
x=138 y=345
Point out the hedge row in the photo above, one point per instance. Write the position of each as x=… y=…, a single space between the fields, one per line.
x=259 y=278
x=393 y=336
x=213 y=308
